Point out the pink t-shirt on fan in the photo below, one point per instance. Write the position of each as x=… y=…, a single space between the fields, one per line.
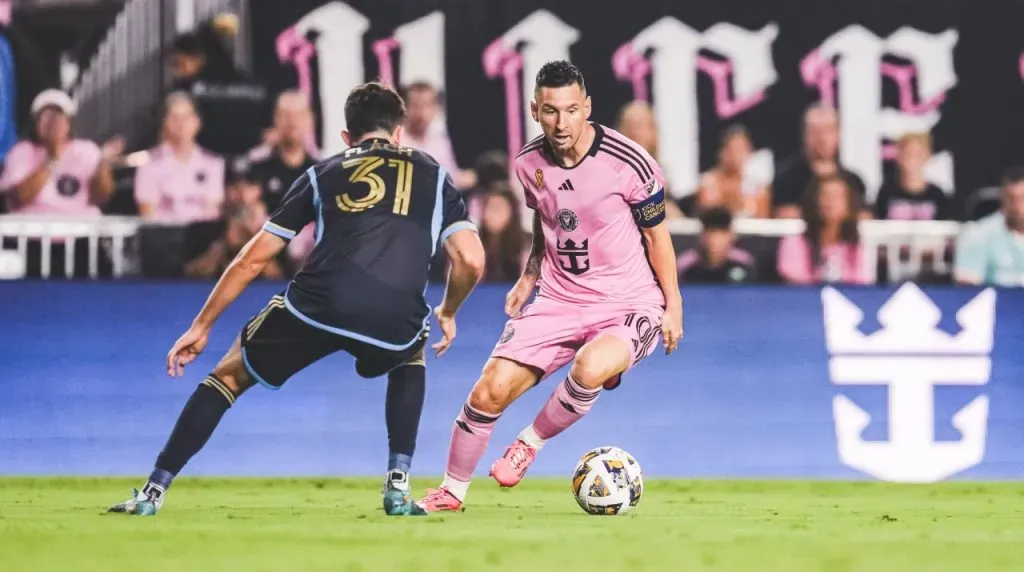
x=594 y=248
x=67 y=189
x=840 y=262
x=181 y=191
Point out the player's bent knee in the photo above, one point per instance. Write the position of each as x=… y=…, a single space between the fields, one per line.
x=597 y=363
x=234 y=377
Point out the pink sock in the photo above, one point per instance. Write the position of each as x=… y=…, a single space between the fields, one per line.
x=470 y=436
x=570 y=402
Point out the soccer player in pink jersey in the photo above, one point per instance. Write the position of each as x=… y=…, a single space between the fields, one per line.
x=604 y=263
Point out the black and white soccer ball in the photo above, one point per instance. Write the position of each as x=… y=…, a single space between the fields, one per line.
x=607 y=481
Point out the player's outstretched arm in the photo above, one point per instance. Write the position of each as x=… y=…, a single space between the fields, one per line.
x=249 y=264
x=466 y=253
x=523 y=288
x=662 y=257
x=246 y=267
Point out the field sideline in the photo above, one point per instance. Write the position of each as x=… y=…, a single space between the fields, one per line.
x=336 y=524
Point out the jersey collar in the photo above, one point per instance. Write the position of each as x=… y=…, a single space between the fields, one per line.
x=592 y=152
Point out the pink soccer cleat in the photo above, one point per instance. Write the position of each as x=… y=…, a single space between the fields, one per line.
x=440 y=500
x=511 y=467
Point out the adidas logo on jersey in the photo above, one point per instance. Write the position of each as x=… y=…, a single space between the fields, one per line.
x=566 y=186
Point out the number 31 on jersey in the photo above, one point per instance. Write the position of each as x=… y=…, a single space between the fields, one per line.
x=363 y=172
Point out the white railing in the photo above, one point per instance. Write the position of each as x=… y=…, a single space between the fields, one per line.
x=48 y=230
x=905 y=244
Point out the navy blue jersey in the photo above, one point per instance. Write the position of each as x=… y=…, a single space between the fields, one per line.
x=380 y=212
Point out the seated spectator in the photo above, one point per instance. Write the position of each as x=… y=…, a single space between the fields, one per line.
x=502 y=234
x=726 y=184
x=492 y=173
x=424 y=133
x=829 y=250
x=636 y=120
x=287 y=157
x=182 y=183
x=912 y=197
x=819 y=159
x=244 y=216
x=991 y=251
x=716 y=260
x=53 y=173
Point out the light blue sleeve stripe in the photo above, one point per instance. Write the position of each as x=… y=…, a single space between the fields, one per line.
x=456 y=227
x=278 y=230
x=318 y=205
x=435 y=222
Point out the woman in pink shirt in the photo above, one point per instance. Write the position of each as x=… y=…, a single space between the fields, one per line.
x=52 y=173
x=829 y=250
x=182 y=183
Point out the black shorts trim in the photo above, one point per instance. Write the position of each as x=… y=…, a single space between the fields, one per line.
x=276 y=345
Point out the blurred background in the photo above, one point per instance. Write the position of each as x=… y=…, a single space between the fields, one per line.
x=845 y=183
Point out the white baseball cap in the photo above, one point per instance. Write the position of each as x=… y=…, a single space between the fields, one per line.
x=54 y=98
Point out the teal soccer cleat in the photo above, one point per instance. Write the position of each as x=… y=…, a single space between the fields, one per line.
x=141 y=504
x=397 y=500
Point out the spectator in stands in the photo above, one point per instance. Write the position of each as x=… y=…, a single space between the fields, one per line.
x=244 y=216
x=819 y=158
x=504 y=239
x=726 y=184
x=716 y=260
x=829 y=250
x=277 y=166
x=491 y=169
x=423 y=131
x=636 y=120
x=53 y=173
x=991 y=251
x=911 y=196
x=233 y=104
x=182 y=183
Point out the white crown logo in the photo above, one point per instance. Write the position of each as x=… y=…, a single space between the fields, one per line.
x=909 y=319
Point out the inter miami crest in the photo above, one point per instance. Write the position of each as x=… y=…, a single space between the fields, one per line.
x=507 y=334
x=568 y=220
x=574 y=258
x=68 y=186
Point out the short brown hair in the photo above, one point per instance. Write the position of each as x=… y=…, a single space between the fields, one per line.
x=371 y=107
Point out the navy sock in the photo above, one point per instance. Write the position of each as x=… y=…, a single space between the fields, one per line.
x=198 y=419
x=406 y=389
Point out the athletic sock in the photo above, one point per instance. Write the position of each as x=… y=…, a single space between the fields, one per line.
x=402 y=409
x=567 y=405
x=470 y=435
x=200 y=416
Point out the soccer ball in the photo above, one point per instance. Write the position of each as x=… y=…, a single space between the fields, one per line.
x=607 y=480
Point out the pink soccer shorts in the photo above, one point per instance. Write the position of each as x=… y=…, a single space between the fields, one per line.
x=547 y=334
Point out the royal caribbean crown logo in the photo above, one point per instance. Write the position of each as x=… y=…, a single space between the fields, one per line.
x=911 y=356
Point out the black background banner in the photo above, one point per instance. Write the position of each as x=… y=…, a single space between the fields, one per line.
x=896 y=65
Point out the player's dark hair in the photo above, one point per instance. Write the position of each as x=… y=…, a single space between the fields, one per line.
x=1012 y=176
x=373 y=106
x=715 y=218
x=189 y=44
x=559 y=73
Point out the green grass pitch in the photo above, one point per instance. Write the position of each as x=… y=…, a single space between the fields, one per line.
x=336 y=524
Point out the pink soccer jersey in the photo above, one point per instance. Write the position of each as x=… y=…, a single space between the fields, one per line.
x=67 y=190
x=595 y=252
x=181 y=192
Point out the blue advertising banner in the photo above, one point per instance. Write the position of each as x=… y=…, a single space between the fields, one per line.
x=893 y=384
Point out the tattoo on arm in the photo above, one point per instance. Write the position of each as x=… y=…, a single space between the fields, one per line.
x=537 y=252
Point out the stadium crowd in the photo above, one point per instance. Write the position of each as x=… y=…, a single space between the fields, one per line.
x=208 y=184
